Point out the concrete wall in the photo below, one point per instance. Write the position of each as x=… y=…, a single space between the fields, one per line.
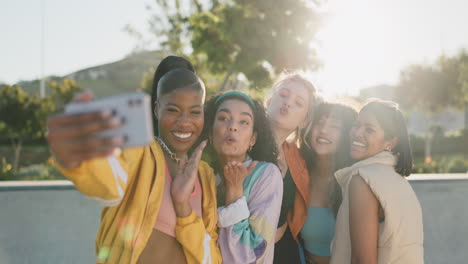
x=445 y=215
x=50 y=222
x=47 y=224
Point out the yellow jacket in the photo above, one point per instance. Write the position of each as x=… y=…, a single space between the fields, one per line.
x=131 y=187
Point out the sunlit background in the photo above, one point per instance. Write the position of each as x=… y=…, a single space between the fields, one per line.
x=367 y=42
x=362 y=47
x=363 y=42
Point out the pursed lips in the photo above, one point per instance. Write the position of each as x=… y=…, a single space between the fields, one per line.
x=230 y=139
x=284 y=110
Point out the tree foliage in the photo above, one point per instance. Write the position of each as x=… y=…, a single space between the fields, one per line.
x=434 y=87
x=22 y=117
x=256 y=38
x=63 y=92
x=146 y=81
x=225 y=38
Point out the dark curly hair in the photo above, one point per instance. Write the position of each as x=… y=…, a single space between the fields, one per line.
x=264 y=149
x=347 y=115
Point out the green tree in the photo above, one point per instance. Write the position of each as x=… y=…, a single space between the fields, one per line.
x=432 y=88
x=22 y=117
x=463 y=81
x=226 y=40
x=146 y=81
x=63 y=92
x=257 y=38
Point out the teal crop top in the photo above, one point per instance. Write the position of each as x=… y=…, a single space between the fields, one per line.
x=318 y=230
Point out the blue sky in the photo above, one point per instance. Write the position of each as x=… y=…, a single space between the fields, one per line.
x=364 y=42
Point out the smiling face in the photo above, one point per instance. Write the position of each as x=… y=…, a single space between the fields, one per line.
x=232 y=133
x=180 y=118
x=288 y=107
x=368 y=137
x=325 y=137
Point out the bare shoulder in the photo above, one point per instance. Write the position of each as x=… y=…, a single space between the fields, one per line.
x=357 y=183
x=361 y=195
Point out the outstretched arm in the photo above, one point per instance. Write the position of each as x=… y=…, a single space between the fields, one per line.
x=86 y=159
x=363 y=222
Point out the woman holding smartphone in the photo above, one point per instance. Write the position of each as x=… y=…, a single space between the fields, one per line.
x=160 y=205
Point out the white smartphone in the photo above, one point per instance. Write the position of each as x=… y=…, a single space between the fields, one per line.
x=133 y=108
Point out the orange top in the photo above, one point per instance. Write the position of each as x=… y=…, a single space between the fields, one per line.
x=300 y=175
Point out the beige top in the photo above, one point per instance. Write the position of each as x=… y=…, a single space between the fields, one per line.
x=401 y=233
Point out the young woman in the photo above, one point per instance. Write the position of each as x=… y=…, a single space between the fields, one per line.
x=166 y=65
x=380 y=219
x=158 y=209
x=249 y=183
x=325 y=149
x=290 y=109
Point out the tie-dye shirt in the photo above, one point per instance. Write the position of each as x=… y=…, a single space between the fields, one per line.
x=250 y=238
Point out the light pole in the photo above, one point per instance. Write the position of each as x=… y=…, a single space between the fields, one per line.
x=42 y=83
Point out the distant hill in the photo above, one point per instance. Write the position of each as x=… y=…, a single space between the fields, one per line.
x=112 y=78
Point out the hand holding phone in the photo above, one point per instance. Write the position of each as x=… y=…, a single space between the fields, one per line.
x=91 y=129
x=133 y=109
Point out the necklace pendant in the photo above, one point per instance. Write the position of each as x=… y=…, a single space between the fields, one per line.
x=172 y=155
